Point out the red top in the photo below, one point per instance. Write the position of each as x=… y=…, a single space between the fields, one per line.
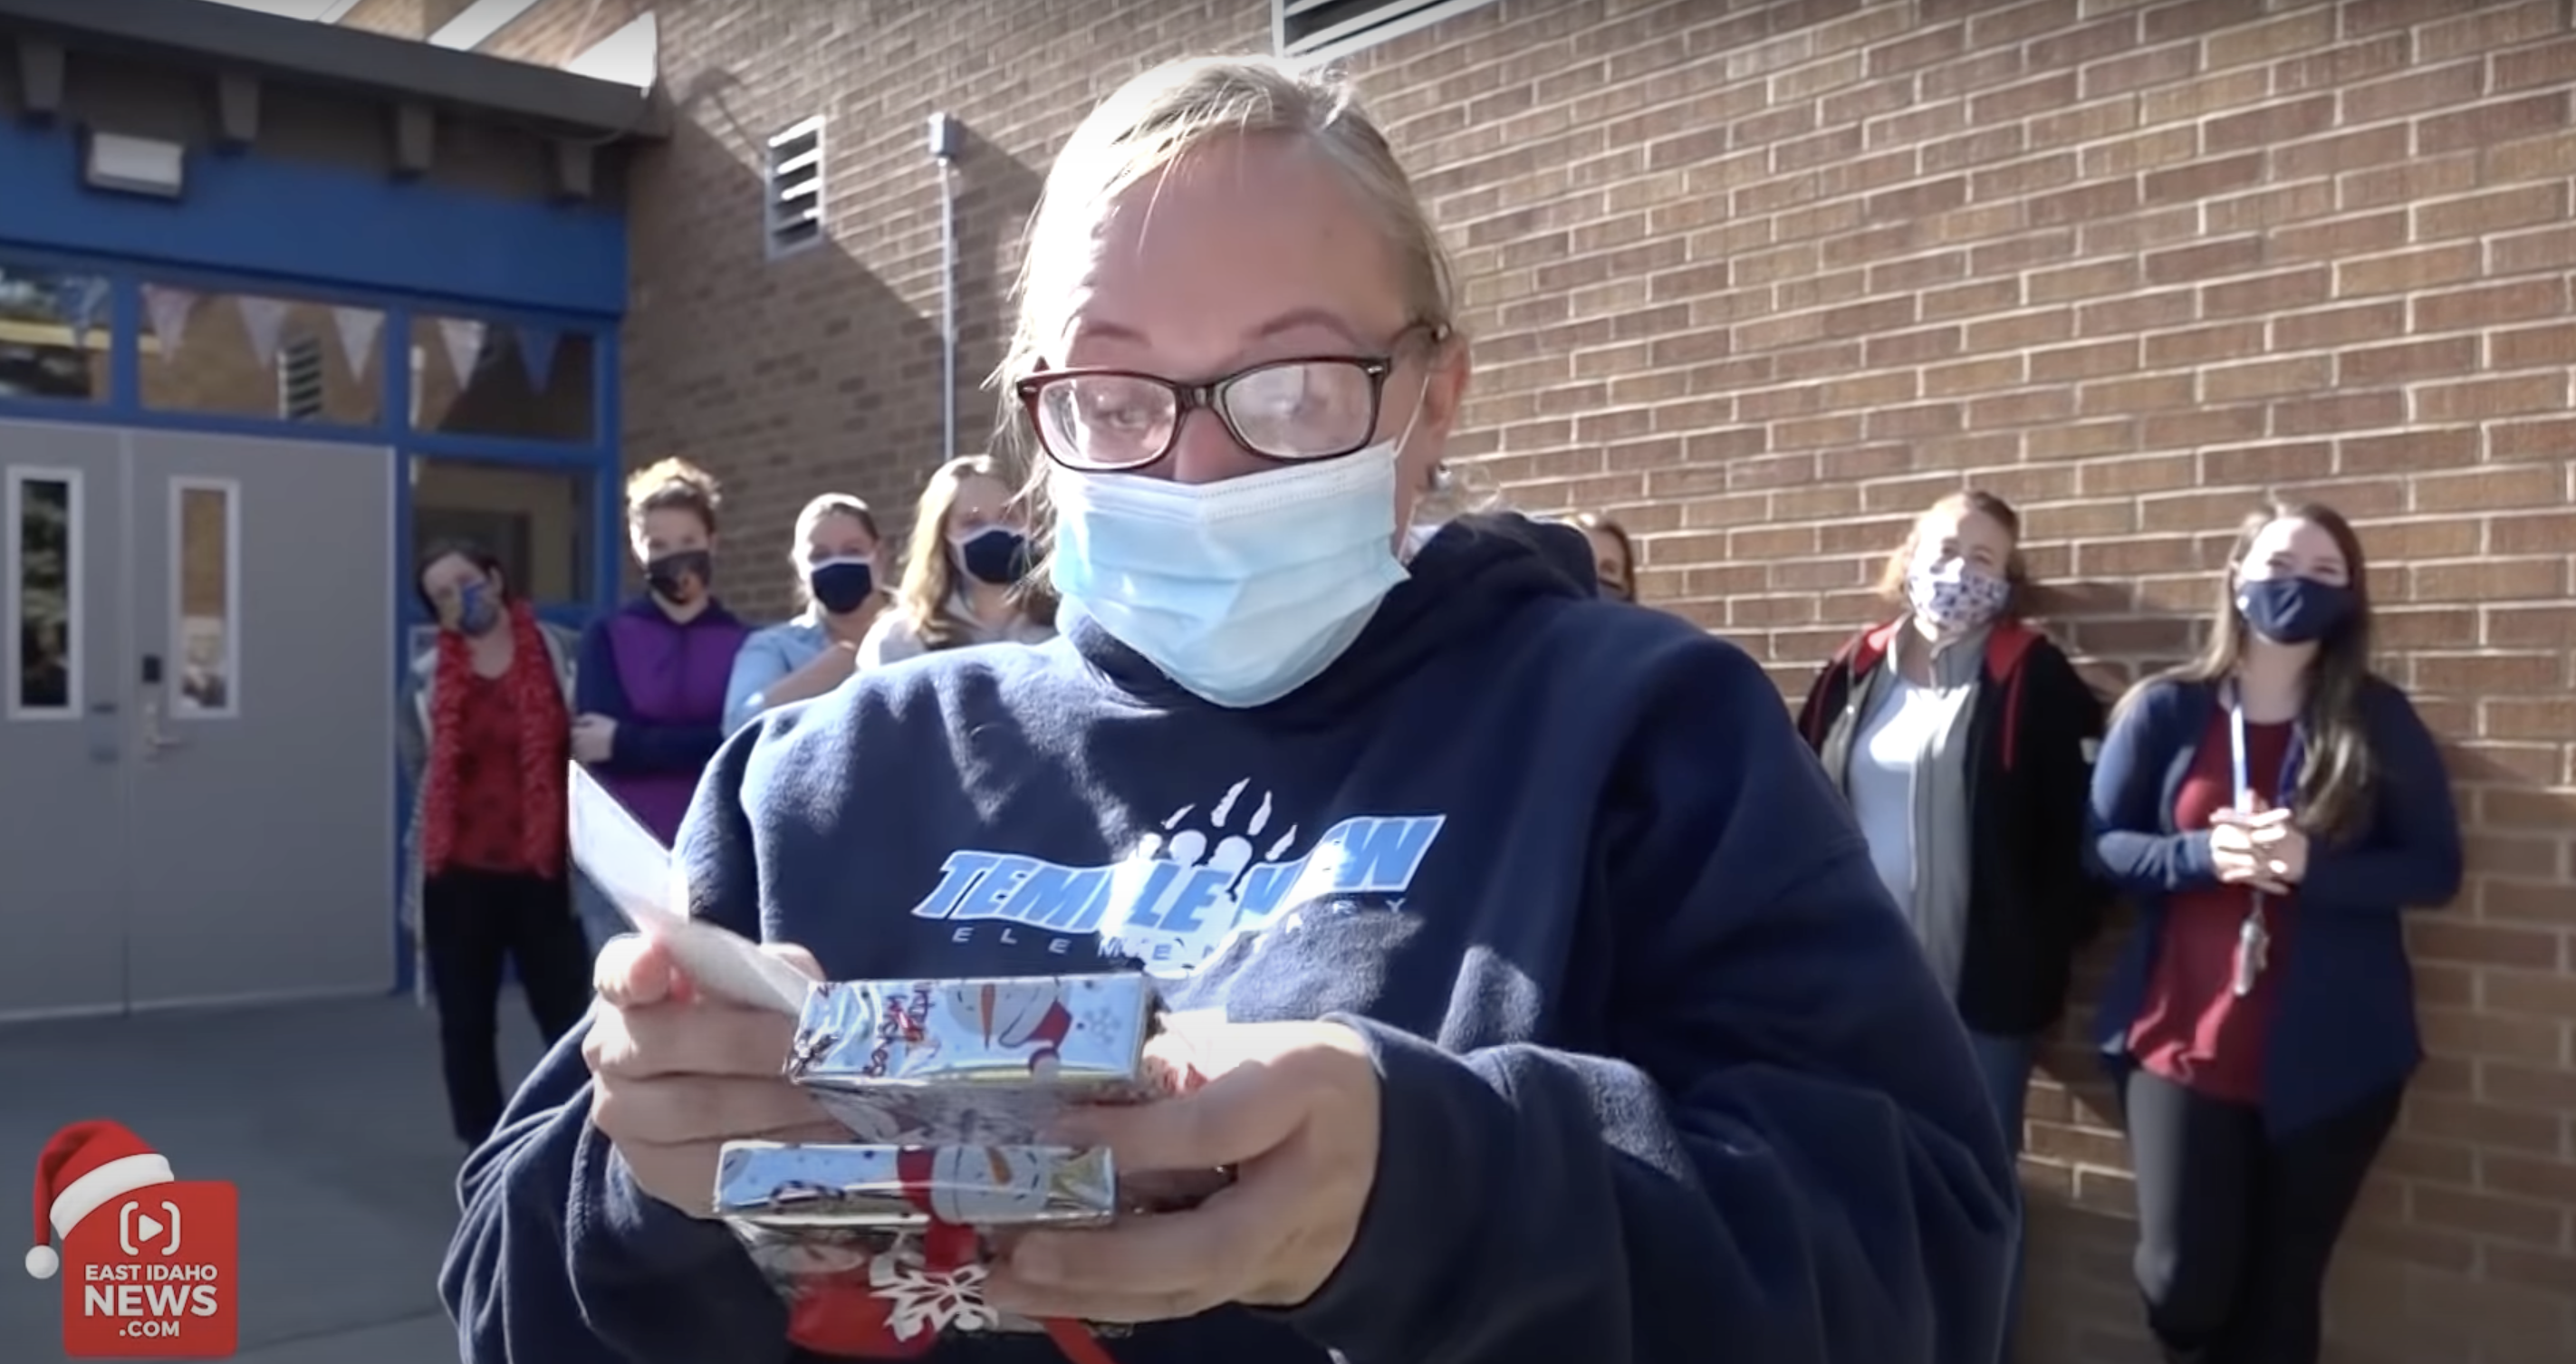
x=2193 y=1029
x=489 y=785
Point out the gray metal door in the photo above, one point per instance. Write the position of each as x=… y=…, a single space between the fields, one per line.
x=260 y=803
x=64 y=856
x=196 y=731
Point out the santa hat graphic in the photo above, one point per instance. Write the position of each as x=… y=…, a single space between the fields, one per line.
x=85 y=1167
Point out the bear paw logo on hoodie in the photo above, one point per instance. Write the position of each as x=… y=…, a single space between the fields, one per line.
x=1191 y=884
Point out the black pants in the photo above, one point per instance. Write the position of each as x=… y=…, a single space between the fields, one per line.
x=2235 y=1226
x=471 y=923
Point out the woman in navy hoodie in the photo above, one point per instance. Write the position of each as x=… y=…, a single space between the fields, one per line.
x=2273 y=805
x=1563 y=1016
x=651 y=685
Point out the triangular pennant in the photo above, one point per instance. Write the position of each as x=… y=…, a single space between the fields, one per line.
x=537 y=351
x=265 y=320
x=358 y=328
x=88 y=297
x=168 y=309
x=464 y=338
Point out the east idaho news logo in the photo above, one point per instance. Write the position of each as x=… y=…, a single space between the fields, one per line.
x=148 y=1262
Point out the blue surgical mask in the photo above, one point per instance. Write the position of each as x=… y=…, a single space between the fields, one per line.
x=1243 y=590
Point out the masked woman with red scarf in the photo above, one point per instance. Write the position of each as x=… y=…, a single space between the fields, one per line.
x=488 y=742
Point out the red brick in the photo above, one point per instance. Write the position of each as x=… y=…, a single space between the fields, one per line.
x=2487 y=124
x=2414 y=92
x=2410 y=361
x=2270 y=125
x=2486 y=214
x=2502 y=24
x=2405 y=271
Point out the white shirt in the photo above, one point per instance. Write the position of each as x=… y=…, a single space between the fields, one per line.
x=1895 y=741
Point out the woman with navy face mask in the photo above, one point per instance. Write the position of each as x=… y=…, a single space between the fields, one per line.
x=966 y=573
x=2273 y=806
x=836 y=559
x=1546 y=1004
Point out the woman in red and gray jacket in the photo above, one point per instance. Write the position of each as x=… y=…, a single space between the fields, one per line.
x=1962 y=739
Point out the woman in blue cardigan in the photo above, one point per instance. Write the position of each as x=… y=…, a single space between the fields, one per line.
x=2271 y=806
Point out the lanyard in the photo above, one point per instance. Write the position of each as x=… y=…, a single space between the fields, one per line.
x=2253 y=936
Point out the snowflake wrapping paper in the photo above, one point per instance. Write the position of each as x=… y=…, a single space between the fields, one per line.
x=911 y=1187
x=947 y=1087
x=949 y=1062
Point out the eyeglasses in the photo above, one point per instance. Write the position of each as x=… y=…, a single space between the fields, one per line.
x=1299 y=409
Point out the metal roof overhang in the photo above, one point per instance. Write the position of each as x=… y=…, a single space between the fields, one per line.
x=396 y=69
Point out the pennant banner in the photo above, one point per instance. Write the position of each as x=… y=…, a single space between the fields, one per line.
x=168 y=309
x=358 y=328
x=265 y=320
x=537 y=347
x=464 y=338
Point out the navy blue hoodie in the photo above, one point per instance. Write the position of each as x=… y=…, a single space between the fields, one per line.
x=1664 y=1073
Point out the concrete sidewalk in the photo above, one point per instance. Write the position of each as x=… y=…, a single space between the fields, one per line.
x=329 y=1117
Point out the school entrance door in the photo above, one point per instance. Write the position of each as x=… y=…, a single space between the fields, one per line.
x=196 y=736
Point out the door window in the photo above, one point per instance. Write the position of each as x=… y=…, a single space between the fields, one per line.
x=256 y=355
x=520 y=380
x=205 y=524
x=536 y=521
x=44 y=593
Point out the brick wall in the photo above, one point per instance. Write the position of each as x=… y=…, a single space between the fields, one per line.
x=1763 y=279
x=416 y=19
x=554 y=32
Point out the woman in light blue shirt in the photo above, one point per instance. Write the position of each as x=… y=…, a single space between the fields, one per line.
x=837 y=562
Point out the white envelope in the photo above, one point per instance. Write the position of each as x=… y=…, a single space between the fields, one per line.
x=632 y=868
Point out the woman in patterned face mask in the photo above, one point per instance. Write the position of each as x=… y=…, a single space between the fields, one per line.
x=1959 y=735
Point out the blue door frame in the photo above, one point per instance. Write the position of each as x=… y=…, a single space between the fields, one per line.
x=316 y=234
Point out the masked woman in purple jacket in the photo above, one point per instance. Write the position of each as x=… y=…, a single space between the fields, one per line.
x=650 y=690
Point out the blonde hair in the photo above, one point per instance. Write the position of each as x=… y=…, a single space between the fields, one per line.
x=929 y=580
x=672 y=484
x=1153 y=122
x=826 y=504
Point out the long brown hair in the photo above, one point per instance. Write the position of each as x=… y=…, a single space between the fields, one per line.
x=1962 y=504
x=929 y=580
x=2334 y=790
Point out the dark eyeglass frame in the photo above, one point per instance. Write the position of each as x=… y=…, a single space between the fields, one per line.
x=1188 y=398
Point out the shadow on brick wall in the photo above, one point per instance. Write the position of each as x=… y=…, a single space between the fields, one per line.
x=2083 y=1225
x=995 y=195
x=785 y=376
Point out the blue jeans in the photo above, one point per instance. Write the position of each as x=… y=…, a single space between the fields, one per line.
x=2005 y=1063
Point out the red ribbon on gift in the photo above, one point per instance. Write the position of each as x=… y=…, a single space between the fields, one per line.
x=844 y=1315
